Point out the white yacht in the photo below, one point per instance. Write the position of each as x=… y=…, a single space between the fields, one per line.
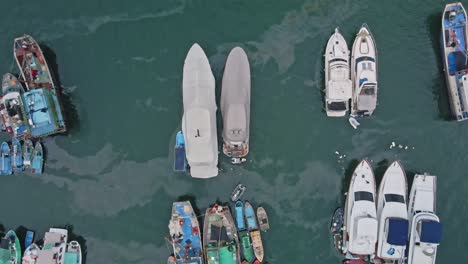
x=338 y=85
x=455 y=58
x=364 y=74
x=360 y=218
x=392 y=214
x=425 y=227
x=235 y=104
x=199 y=120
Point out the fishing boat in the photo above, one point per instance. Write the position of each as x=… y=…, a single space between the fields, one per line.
x=180 y=161
x=455 y=58
x=220 y=236
x=41 y=100
x=364 y=73
x=184 y=232
x=238 y=192
x=11 y=106
x=250 y=217
x=29 y=238
x=28 y=149
x=5 y=161
x=10 y=249
x=171 y=260
x=16 y=155
x=392 y=214
x=37 y=162
x=199 y=119
x=31 y=254
x=54 y=248
x=336 y=228
x=360 y=215
x=257 y=244
x=425 y=227
x=244 y=236
x=235 y=105
x=338 y=85
x=73 y=253
x=240 y=217
x=262 y=218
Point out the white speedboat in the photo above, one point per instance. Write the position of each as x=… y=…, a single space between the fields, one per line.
x=425 y=227
x=235 y=104
x=338 y=85
x=364 y=73
x=455 y=56
x=392 y=214
x=199 y=120
x=360 y=218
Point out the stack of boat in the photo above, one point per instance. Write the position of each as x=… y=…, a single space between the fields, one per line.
x=19 y=157
x=351 y=79
x=30 y=106
x=223 y=241
x=197 y=143
x=55 y=249
x=383 y=226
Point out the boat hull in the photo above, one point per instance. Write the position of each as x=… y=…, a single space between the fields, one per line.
x=257 y=244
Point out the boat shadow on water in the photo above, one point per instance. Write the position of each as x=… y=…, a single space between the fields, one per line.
x=70 y=112
x=439 y=86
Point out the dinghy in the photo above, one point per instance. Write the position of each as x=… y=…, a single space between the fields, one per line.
x=392 y=214
x=180 y=161
x=338 y=85
x=16 y=155
x=238 y=192
x=199 y=119
x=5 y=160
x=364 y=73
x=29 y=238
x=37 y=159
x=235 y=105
x=28 y=149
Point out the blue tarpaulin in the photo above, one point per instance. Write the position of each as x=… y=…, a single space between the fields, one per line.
x=431 y=232
x=397 y=231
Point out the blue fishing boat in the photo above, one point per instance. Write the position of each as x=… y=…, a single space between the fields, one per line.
x=240 y=216
x=37 y=159
x=250 y=217
x=28 y=149
x=180 y=161
x=184 y=233
x=5 y=160
x=16 y=155
x=29 y=238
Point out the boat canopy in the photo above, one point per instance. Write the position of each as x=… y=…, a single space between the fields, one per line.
x=431 y=232
x=240 y=215
x=235 y=123
x=198 y=130
x=397 y=231
x=71 y=257
x=228 y=255
x=457 y=61
x=365 y=232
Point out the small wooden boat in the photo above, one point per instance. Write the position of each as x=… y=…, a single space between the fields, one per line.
x=263 y=219
x=5 y=160
x=171 y=260
x=31 y=254
x=37 y=159
x=16 y=155
x=73 y=253
x=257 y=244
x=246 y=245
x=250 y=217
x=11 y=248
x=28 y=149
x=29 y=238
x=180 y=160
x=238 y=192
x=337 y=221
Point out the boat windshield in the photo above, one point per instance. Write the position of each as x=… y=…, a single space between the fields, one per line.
x=363 y=196
x=394 y=198
x=337 y=106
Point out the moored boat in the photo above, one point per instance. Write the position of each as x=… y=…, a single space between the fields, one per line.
x=425 y=227
x=10 y=249
x=28 y=149
x=455 y=55
x=360 y=215
x=336 y=228
x=392 y=214
x=29 y=238
x=16 y=155
x=5 y=159
x=199 y=119
x=220 y=236
x=31 y=254
x=42 y=106
x=364 y=73
x=180 y=161
x=250 y=217
x=11 y=106
x=37 y=162
x=257 y=244
x=54 y=248
x=171 y=260
x=338 y=85
x=246 y=246
x=262 y=218
x=238 y=192
x=240 y=218
x=235 y=104
x=73 y=254
x=184 y=233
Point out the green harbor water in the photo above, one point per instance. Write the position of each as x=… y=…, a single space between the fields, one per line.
x=120 y=65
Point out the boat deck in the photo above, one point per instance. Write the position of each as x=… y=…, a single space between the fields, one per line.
x=188 y=248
